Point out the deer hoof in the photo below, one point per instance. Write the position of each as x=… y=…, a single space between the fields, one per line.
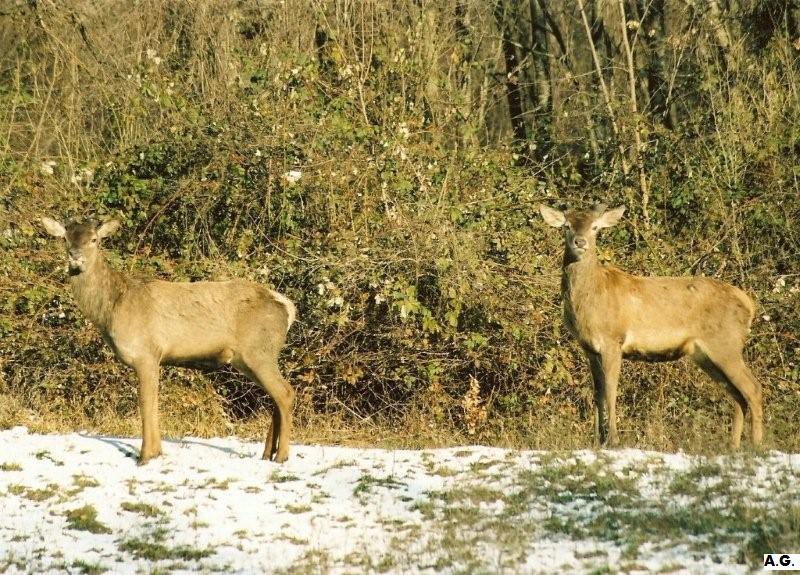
x=144 y=458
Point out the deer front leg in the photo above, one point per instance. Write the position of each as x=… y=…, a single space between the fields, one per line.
x=599 y=380
x=612 y=362
x=148 y=373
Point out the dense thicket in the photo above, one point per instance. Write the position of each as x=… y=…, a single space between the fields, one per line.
x=381 y=163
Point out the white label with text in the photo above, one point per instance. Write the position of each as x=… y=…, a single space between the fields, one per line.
x=782 y=562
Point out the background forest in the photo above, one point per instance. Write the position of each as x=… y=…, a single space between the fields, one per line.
x=381 y=163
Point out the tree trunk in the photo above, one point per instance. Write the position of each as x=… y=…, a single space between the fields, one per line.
x=720 y=32
x=604 y=89
x=542 y=86
x=556 y=38
x=513 y=94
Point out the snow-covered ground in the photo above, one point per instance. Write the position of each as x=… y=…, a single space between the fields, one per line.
x=79 y=503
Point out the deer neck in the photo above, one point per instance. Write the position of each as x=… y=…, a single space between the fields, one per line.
x=97 y=291
x=580 y=276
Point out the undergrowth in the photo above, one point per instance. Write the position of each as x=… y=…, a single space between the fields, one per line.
x=372 y=175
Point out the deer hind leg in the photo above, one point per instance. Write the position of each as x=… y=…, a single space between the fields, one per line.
x=742 y=379
x=271 y=444
x=264 y=370
x=754 y=399
x=148 y=372
x=729 y=369
x=739 y=402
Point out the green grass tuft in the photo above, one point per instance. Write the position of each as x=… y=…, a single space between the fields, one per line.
x=85 y=519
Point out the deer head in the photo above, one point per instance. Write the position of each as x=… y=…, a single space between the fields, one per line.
x=82 y=240
x=581 y=228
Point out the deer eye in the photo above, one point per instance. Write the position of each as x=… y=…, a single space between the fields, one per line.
x=94 y=240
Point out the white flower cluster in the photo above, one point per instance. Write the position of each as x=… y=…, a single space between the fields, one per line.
x=152 y=55
x=47 y=168
x=82 y=176
x=327 y=286
x=292 y=176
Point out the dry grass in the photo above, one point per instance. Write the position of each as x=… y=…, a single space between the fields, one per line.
x=186 y=413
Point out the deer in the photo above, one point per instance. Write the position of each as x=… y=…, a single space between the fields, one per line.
x=149 y=323
x=615 y=315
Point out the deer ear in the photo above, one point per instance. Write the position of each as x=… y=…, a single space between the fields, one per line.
x=552 y=217
x=610 y=218
x=108 y=228
x=53 y=227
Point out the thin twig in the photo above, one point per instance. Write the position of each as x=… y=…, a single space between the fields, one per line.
x=635 y=113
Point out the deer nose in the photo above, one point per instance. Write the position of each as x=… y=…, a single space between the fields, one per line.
x=580 y=243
